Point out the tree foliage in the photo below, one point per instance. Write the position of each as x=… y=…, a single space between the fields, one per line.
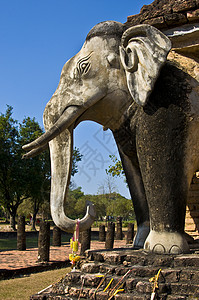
x=106 y=205
x=22 y=179
x=37 y=168
x=116 y=169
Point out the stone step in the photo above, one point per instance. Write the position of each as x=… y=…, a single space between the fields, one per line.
x=142 y=290
x=133 y=283
x=166 y=275
x=135 y=257
x=142 y=258
x=179 y=276
x=185 y=289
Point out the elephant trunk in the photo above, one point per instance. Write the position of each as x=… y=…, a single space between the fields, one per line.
x=61 y=164
x=59 y=137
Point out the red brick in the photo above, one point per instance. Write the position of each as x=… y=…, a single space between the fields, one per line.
x=175 y=19
x=193 y=16
x=158 y=22
x=183 y=5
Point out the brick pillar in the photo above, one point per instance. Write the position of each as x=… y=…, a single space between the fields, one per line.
x=102 y=233
x=130 y=233
x=56 y=236
x=85 y=240
x=44 y=242
x=21 y=234
x=192 y=209
x=110 y=235
x=119 y=234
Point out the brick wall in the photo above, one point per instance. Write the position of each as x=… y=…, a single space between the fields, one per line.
x=192 y=210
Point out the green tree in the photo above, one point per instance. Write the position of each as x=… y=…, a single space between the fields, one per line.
x=120 y=206
x=73 y=197
x=22 y=179
x=12 y=176
x=116 y=169
x=37 y=186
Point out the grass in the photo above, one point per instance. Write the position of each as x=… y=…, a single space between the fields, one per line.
x=23 y=288
x=31 y=242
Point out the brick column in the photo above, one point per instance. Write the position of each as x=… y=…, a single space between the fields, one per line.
x=192 y=210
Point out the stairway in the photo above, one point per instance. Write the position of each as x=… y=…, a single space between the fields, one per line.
x=179 y=276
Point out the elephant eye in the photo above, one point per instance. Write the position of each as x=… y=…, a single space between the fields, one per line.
x=83 y=65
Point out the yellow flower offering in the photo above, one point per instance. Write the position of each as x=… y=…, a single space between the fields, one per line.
x=74 y=258
x=71 y=243
x=75 y=246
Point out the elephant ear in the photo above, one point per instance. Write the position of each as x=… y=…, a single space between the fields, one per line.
x=143 y=51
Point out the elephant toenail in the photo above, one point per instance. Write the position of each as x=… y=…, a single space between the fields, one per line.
x=175 y=250
x=158 y=248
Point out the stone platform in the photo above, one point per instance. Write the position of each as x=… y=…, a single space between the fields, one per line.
x=179 y=276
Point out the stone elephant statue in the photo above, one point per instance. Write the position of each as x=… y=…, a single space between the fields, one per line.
x=121 y=79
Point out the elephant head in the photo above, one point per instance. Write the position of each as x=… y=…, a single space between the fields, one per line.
x=116 y=66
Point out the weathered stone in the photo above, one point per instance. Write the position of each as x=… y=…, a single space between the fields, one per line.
x=164 y=261
x=120 y=271
x=21 y=234
x=114 y=258
x=85 y=240
x=193 y=16
x=122 y=296
x=130 y=233
x=183 y=5
x=107 y=268
x=91 y=280
x=102 y=233
x=189 y=275
x=91 y=267
x=73 y=277
x=158 y=22
x=119 y=234
x=152 y=124
x=175 y=19
x=74 y=292
x=174 y=283
x=186 y=260
x=154 y=14
x=56 y=236
x=44 y=242
x=110 y=235
x=144 y=287
x=84 y=293
x=169 y=275
x=91 y=255
x=191 y=289
x=135 y=260
x=194 y=187
x=176 y=297
x=131 y=283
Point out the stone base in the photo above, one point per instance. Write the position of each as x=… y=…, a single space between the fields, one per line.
x=179 y=276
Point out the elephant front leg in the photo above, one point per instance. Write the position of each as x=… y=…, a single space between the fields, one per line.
x=162 y=162
x=135 y=184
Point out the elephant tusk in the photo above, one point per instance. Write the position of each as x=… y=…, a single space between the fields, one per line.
x=65 y=120
x=35 y=152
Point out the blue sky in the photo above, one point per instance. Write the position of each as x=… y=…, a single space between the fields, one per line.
x=37 y=38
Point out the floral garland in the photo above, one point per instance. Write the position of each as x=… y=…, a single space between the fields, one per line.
x=74 y=244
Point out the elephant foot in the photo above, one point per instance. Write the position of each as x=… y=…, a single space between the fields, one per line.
x=141 y=235
x=166 y=242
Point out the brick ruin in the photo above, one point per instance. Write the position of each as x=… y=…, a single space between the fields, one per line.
x=170 y=16
x=165 y=14
x=192 y=211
